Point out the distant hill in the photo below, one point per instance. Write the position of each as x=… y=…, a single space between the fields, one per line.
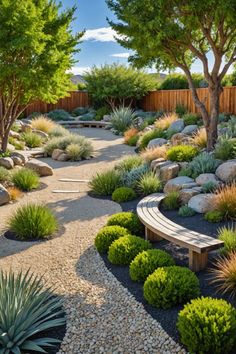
x=77 y=79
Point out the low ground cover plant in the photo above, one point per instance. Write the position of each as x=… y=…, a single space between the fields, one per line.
x=228 y=235
x=209 y=187
x=25 y=179
x=33 y=221
x=32 y=140
x=214 y=216
x=18 y=144
x=59 y=114
x=207 y=325
x=123 y=250
x=27 y=307
x=186 y=211
x=203 y=163
x=107 y=235
x=79 y=111
x=170 y=286
x=148 y=184
x=128 y=220
x=146 y=262
x=148 y=136
x=191 y=119
x=105 y=183
x=182 y=153
x=123 y=194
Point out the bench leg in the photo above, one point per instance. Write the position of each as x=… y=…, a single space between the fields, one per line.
x=197 y=261
x=152 y=236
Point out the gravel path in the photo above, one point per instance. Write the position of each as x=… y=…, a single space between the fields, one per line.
x=102 y=316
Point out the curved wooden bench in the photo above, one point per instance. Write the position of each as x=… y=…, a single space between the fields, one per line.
x=158 y=227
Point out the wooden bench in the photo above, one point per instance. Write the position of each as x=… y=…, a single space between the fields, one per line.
x=158 y=227
x=88 y=123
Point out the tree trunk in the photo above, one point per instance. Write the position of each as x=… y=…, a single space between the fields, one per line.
x=4 y=143
x=211 y=128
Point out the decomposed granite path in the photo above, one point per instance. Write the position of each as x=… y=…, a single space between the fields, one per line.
x=102 y=316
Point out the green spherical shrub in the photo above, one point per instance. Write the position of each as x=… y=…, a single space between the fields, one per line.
x=123 y=194
x=33 y=221
x=25 y=179
x=128 y=220
x=214 y=216
x=126 y=248
x=182 y=153
x=170 y=286
x=107 y=235
x=146 y=262
x=208 y=325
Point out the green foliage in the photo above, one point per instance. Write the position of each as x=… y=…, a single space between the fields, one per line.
x=214 y=216
x=209 y=187
x=128 y=220
x=102 y=111
x=59 y=114
x=4 y=175
x=123 y=250
x=149 y=183
x=107 y=235
x=191 y=119
x=76 y=152
x=171 y=200
x=208 y=325
x=179 y=81
x=225 y=149
x=180 y=109
x=132 y=178
x=133 y=140
x=19 y=145
x=5 y=154
x=87 y=117
x=105 y=183
x=116 y=83
x=148 y=136
x=203 y=163
x=171 y=286
x=186 y=211
x=122 y=118
x=58 y=131
x=146 y=262
x=33 y=221
x=228 y=235
x=25 y=179
x=27 y=307
x=123 y=194
x=182 y=153
x=32 y=140
x=81 y=86
x=129 y=163
x=79 y=111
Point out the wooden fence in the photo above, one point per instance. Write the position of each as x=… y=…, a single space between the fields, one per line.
x=154 y=101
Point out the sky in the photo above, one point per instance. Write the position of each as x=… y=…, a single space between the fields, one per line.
x=98 y=45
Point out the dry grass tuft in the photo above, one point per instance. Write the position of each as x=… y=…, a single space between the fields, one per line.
x=154 y=153
x=15 y=193
x=200 y=138
x=130 y=133
x=224 y=274
x=43 y=123
x=225 y=201
x=166 y=120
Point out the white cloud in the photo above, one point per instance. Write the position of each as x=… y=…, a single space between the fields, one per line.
x=78 y=70
x=120 y=55
x=104 y=34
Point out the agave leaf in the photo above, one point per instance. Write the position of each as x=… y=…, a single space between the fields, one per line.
x=15 y=350
x=30 y=345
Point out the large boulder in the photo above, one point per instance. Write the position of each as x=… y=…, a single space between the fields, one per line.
x=63 y=157
x=156 y=142
x=226 y=172
x=179 y=138
x=190 y=129
x=169 y=171
x=42 y=168
x=56 y=153
x=205 y=178
x=177 y=126
x=178 y=183
x=17 y=160
x=23 y=156
x=4 y=195
x=158 y=164
x=6 y=162
x=187 y=194
x=202 y=203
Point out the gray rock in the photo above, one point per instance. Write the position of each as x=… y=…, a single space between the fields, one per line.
x=156 y=162
x=63 y=157
x=4 y=195
x=159 y=165
x=177 y=126
x=17 y=160
x=21 y=155
x=190 y=129
x=56 y=153
x=42 y=168
x=107 y=118
x=202 y=203
x=179 y=183
x=187 y=194
x=156 y=142
x=226 y=172
x=205 y=178
x=6 y=162
x=179 y=138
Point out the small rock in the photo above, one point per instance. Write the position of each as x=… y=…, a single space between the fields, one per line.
x=154 y=163
x=202 y=203
x=4 y=195
x=42 y=168
x=17 y=160
x=178 y=183
x=169 y=172
x=177 y=126
x=178 y=139
x=156 y=142
x=190 y=129
x=21 y=155
x=6 y=162
x=205 y=178
x=227 y=171
x=63 y=157
x=187 y=194
x=56 y=153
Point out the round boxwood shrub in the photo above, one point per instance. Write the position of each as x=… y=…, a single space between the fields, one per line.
x=208 y=325
x=123 y=194
x=146 y=262
x=126 y=248
x=170 y=286
x=107 y=235
x=128 y=220
x=33 y=221
x=182 y=153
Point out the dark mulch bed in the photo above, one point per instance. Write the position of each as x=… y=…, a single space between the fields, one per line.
x=167 y=318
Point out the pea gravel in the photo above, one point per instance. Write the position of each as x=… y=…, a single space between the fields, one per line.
x=102 y=316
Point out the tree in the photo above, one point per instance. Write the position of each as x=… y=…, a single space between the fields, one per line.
x=114 y=84
x=36 y=50
x=173 y=33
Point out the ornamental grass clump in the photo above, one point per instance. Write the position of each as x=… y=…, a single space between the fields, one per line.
x=224 y=274
x=131 y=136
x=123 y=194
x=43 y=123
x=165 y=121
x=32 y=140
x=148 y=184
x=148 y=136
x=25 y=179
x=128 y=220
x=214 y=216
x=129 y=163
x=107 y=235
x=151 y=154
x=203 y=163
x=105 y=183
x=208 y=325
x=132 y=178
x=225 y=201
x=33 y=222
x=171 y=286
x=228 y=236
x=200 y=138
x=4 y=175
x=27 y=311
x=122 y=118
x=182 y=153
x=171 y=200
x=146 y=262
x=123 y=250
x=58 y=131
x=15 y=193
